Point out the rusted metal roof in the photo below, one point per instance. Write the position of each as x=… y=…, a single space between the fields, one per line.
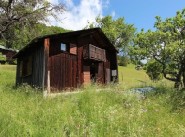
x=68 y=34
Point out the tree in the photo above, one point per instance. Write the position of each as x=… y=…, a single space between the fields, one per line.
x=166 y=45
x=39 y=30
x=119 y=33
x=17 y=14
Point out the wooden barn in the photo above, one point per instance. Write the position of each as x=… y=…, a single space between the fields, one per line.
x=67 y=60
x=7 y=54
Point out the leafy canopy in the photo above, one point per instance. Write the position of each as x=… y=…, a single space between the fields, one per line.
x=15 y=15
x=119 y=33
x=166 y=45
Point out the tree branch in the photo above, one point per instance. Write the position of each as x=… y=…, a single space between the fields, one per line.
x=168 y=78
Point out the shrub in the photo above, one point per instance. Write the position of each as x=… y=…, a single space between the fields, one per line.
x=2 y=57
x=154 y=70
x=123 y=61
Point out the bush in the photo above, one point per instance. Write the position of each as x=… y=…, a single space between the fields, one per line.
x=154 y=70
x=123 y=61
x=2 y=58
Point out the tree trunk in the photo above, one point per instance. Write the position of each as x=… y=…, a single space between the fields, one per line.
x=8 y=44
x=183 y=79
x=177 y=85
x=9 y=37
x=178 y=82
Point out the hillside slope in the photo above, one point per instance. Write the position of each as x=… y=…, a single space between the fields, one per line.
x=130 y=77
x=94 y=111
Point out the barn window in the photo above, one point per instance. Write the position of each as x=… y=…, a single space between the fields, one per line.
x=26 y=66
x=63 y=47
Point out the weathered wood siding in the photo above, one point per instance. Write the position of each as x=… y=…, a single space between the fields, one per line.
x=63 y=71
x=36 y=77
x=57 y=69
x=105 y=65
x=87 y=75
x=73 y=49
x=38 y=68
x=18 y=78
x=101 y=73
x=94 y=53
x=107 y=68
x=80 y=75
x=46 y=62
x=114 y=66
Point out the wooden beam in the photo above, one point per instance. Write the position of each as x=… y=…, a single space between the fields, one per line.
x=46 y=63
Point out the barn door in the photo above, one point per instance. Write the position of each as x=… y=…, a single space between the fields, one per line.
x=108 y=78
x=63 y=72
x=100 y=77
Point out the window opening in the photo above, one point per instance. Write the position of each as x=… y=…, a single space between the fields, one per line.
x=63 y=47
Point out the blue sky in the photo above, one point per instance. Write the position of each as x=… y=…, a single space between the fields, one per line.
x=141 y=13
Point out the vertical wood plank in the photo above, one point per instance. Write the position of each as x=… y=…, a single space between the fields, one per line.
x=46 y=61
x=79 y=65
x=63 y=71
x=48 y=88
x=18 y=77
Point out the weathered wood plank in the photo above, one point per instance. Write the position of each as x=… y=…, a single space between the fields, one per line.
x=46 y=61
x=61 y=71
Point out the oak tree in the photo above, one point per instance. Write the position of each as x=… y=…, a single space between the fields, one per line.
x=15 y=15
x=166 y=45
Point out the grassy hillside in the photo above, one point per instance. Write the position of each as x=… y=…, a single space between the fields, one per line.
x=94 y=111
x=130 y=77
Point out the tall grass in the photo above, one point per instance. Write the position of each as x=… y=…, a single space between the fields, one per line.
x=94 y=111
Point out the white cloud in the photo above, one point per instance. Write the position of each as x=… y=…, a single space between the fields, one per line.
x=54 y=1
x=77 y=16
x=113 y=13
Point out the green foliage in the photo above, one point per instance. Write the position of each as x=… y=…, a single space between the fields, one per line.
x=2 y=57
x=154 y=70
x=166 y=45
x=177 y=100
x=30 y=33
x=119 y=33
x=123 y=61
x=16 y=16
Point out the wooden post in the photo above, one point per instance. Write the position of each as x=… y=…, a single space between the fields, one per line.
x=79 y=65
x=48 y=83
x=46 y=64
x=117 y=67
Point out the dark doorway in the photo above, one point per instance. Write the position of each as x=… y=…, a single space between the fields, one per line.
x=93 y=71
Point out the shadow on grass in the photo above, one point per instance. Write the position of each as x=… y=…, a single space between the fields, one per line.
x=177 y=99
x=143 y=82
x=173 y=97
x=24 y=90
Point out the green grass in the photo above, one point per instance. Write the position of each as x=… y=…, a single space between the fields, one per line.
x=129 y=77
x=107 y=111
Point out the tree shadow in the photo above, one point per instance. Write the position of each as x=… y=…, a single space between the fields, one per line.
x=177 y=100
